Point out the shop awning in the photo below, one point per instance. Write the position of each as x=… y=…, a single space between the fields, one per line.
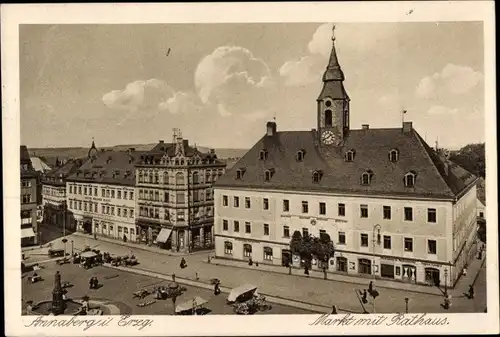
x=27 y=233
x=164 y=235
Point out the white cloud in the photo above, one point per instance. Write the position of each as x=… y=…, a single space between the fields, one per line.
x=452 y=80
x=138 y=95
x=223 y=111
x=225 y=65
x=442 y=110
x=181 y=102
x=303 y=71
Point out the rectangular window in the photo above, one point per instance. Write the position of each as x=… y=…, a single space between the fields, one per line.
x=305 y=207
x=236 y=226
x=322 y=208
x=305 y=232
x=225 y=225
x=124 y=194
x=408 y=214
x=131 y=195
x=248 y=228
x=266 y=229
x=247 y=202
x=236 y=202
x=119 y=194
x=131 y=213
x=286 y=205
x=112 y=193
x=341 y=238
x=268 y=253
x=265 y=203
x=85 y=191
x=387 y=212
x=125 y=230
x=408 y=245
x=120 y=228
x=95 y=191
x=125 y=212
x=225 y=201
x=95 y=207
x=431 y=246
x=112 y=211
x=108 y=194
x=79 y=190
x=431 y=215
x=364 y=211
x=364 y=240
x=166 y=197
x=119 y=212
x=387 y=242
x=103 y=209
x=321 y=233
x=286 y=231
x=70 y=188
x=85 y=206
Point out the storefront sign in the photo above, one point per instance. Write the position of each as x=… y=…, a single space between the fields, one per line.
x=389 y=258
x=431 y=264
x=97 y=199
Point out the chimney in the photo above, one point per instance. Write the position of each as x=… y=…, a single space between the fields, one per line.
x=212 y=151
x=365 y=126
x=161 y=141
x=407 y=127
x=270 y=129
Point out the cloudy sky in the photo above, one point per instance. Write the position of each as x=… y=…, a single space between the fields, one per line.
x=220 y=83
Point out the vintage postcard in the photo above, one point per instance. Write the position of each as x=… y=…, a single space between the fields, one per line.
x=258 y=169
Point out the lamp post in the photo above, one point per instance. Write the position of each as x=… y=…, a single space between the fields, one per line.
x=375 y=227
x=406 y=301
x=72 y=248
x=446 y=282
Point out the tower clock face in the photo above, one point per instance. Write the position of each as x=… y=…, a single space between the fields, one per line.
x=328 y=137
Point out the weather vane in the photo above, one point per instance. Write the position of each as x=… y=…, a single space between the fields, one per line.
x=333 y=32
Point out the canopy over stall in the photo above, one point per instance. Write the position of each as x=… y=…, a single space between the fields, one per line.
x=87 y=255
x=245 y=289
x=27 y=233
x=190 y=305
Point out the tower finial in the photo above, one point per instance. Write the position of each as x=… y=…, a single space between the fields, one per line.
x=333 y=32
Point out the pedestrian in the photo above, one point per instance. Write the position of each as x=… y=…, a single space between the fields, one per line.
x=370 y=287
x=480 y=255
x=216 y=289
x=197 y=278
x=91 y=282
x=364 y=296
x=334 y=310
x=471 y=291
x=464 y=272
x=173 y=277
x=306 y=270
x=96 y=283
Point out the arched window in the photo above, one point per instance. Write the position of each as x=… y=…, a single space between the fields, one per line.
x=228 y=247
x=141 y=177
x=156 y=178
x=316 y=177
x=366 y=177
x=196 y=179
x=300 y=155
x=349 y=156
x=268 y=174
x=409 y=179
x=328 y=118
x=239 y=173
x=165 y=178
x=263 y=155
x=150 y=177
x=393 y=155
x=247 y=250
x=179 y=178
x=268 y=253
x=207 y=176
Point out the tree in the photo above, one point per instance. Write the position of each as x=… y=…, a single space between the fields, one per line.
x=323 y=249
x=481 y=230
x=302 y=246
x=472 y=158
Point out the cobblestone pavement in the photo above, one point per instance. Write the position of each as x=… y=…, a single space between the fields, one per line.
x=311 y=290
x=118 y=288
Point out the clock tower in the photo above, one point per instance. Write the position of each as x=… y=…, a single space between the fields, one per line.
x=333 y=103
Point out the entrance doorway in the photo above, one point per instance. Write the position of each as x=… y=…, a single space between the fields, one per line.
x=364 y=266
x=286 y=257
x=432 y=276
x=342 y=264
x=87 y=227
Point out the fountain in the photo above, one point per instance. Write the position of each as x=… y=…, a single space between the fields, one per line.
x=58 y=304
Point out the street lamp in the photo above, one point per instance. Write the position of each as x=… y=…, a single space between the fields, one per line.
x=72 y=250
x=406 y=301
x=446 y=282
x=377 y=228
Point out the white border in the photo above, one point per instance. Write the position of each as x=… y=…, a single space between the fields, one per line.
x=13 y=15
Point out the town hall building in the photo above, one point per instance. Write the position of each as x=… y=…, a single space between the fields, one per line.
x=394 y=207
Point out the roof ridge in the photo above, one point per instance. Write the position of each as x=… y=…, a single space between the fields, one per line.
x=422 y=143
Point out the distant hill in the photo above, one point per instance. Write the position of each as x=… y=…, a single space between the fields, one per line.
x=81 y=152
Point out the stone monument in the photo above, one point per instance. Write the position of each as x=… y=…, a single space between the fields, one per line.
x=57 y=296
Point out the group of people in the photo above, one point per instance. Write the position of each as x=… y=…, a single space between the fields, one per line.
x=93 y=283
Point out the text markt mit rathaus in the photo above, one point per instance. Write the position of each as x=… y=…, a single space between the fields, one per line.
x=387 y=320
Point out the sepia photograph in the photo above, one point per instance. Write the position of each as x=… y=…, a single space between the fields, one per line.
x=329 y=169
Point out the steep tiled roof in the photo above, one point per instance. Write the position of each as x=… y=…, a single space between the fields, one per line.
x=161 y=149
x=371 y=153
x=58 y=175
x=108 y=167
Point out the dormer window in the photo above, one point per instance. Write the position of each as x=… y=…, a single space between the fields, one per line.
x=316 y=177
x=269 y=174
x=300 y=155
x=394 y=155
x=239 y=173
x=263 y=155
x=409 y=179
x=366 y=177
x=349 y=155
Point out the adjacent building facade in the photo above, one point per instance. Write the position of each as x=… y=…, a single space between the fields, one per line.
x=101 y=194
x=394 y=207
x=175 y=207
x=54 y=197
x=29 y=193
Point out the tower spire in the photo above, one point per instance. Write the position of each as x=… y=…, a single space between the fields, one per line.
x=333 y=71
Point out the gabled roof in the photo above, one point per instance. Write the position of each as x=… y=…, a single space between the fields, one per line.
x=108 y=167
x=161 y=149
x=371 y=147
x=58 y=175
x=39 y=165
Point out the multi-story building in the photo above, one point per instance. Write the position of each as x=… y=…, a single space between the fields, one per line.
x=55 y=212
x=101 y=194
x=175 y=207
x=29 y=178
x=394 y=207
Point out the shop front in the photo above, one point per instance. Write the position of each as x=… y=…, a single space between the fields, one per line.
x=387 y=270
x=201 y=237
x=432 y=276
x=364 y=266
x=342 y=264
x=409 y=273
